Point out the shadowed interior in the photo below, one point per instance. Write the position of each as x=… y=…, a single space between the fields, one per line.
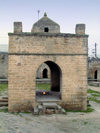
x=55 y=76
x=55 y=83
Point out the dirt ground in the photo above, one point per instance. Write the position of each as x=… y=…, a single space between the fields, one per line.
x=72 y=122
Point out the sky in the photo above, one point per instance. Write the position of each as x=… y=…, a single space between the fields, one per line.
x=67 y=13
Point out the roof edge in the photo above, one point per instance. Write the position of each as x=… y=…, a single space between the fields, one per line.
x=47 y=34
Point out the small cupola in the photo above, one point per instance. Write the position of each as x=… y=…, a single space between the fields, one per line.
x=45 y=25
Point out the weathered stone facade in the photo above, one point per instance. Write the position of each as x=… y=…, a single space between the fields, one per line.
x=94 y=69
x=66 y=56
x=43 y=71
x=3 y=65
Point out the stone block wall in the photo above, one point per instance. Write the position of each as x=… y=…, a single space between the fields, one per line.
x=93 y=66
x=27 y=51
x=3 y=65
x=40 y=71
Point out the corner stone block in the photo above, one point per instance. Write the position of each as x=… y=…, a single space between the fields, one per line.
x=17 y=27
x=80 y=29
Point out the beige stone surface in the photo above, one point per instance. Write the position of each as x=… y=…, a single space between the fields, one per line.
x=28 y=52
x=47 y=44
x=93 y=66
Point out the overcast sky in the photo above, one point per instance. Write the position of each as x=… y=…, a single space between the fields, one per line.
x=67 y=13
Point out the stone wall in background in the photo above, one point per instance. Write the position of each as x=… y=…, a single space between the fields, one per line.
x=3 y=65
x=94 y=69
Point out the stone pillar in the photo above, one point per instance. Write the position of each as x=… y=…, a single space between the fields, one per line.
x=99 y=75
x=80 y=29
x=17 y=27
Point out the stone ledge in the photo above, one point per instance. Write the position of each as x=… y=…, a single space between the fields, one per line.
x=47 y=34
x=3 y=53
x=46 y=54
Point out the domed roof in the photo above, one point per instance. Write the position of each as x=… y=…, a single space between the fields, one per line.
x=45 y=24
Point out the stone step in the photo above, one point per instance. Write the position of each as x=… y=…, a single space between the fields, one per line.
x=50 y=105
x=4 y=107
x=40 y=107
x=4 y=97
x=48 y=108
x=41 y=110
x=36 y=110
x=3 y=100
x=3 y=104
x=48 y=101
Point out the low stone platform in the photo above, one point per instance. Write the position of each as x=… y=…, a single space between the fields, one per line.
x=3 y=101
x=96 y=84
x=2 y=81
x=48 y=108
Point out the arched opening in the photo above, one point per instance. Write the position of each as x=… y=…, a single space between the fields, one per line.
x=45 y=73
x=95 y=75
x=55 y=76
x=53 y=91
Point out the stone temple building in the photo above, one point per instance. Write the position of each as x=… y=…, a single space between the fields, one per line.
x=65 y=55
x=94 y=69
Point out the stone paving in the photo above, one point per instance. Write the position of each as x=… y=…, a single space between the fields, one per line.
x=72 y=122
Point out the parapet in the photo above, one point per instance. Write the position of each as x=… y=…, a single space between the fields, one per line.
x=80 y=29
x=17 y=27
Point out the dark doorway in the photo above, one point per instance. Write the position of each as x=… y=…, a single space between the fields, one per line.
x=55 y=76
x=49 y=91
x=95 y=75
x=45 y=73
x=46 y=29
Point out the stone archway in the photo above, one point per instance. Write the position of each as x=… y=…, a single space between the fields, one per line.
x=54 y=91
x=55 y=76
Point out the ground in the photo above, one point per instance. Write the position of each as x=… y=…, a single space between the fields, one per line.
x=72 y=122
